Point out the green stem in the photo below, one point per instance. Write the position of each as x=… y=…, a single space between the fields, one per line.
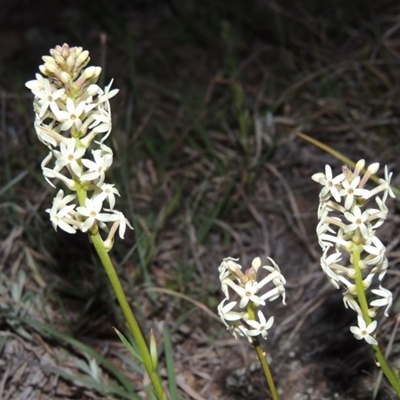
x=264 y=364
x=123 y=302
x=388 y=372
x=359 y=283
x=262 y=357
x=133 y=325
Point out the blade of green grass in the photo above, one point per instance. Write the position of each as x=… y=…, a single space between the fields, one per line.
x=126 y=343
x=107 y=365
x=169 y=358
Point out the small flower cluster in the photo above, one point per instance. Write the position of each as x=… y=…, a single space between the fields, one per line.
x=347 y=235
x=71 y=110
x=236 y=315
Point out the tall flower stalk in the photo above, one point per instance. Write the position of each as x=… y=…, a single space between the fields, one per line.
x=353 y=257
x=73 y=119
x=240 y=316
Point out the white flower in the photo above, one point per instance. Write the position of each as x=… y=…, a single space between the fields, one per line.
x=98 y=167
x=350 y=190
x=102 y=99
x=385 y=300
x=275 y=275
x=362 y=331
x=381 y=268
x=48 y=134
x=384 y=186
x=69 y=156
x=329 y=183
x=358 y=221
x=226 y=314
x=71 y=117
x=108 y=94
x=261 y=327
x=60 y=213
x=102 y=123
x=228 y=269
x=351 y=287
x=122 y=222
x=92 y=213
x=376 y=251
x=277 y=279
x=326 y=264
x=37 y=84
x=274 y=293
x=51 y=173
x=237 y=330
x=46 y=96
x=350 y=301
x=247 y=293
x=108 y=191
x=380 y=214
x=388 y=178
x=340 y=242
x=230 y=265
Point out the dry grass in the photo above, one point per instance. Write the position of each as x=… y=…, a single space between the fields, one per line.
x=207 y=168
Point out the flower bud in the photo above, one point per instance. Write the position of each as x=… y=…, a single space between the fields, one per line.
x=91 y=73
x=83 y=58
x=60 y=61
x=65 y=78
x=70 y=62
x=153 y=350
x=52 y=68
x=92 y=89
x=48 y=59
x=43 y=70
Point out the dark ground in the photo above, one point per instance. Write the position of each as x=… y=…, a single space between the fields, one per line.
x=208 y=168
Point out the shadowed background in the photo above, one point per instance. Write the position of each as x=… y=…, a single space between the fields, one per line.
x=207 y=167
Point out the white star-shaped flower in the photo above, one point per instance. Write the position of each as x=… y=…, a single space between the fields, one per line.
x=329 y=183
x=122 y=222
x=108 y=191
x=71 y=116
x=70 y=156
x=247 y=293
x=385 y=300
x=101 y=123
x=46 y=96
x=61 y=213
x=376 y=251
x=259 y=327
x=98 y=167
x=386 y=183
x=91 y=211
x=358 y=221
x=351 y=191
x=226 y=314
x=36 y=84
x=362 y=331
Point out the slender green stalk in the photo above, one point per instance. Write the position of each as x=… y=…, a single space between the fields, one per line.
x=262 y=357
x=133 y=325
x=123 y=302
x=359 y=283
x=389 y=373
x=264 y=364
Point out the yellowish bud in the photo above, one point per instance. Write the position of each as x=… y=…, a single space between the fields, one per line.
x=153 y=350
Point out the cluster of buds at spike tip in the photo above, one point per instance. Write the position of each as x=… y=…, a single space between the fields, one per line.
x=353 y=256
x=249 y=287
x=71 y=111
